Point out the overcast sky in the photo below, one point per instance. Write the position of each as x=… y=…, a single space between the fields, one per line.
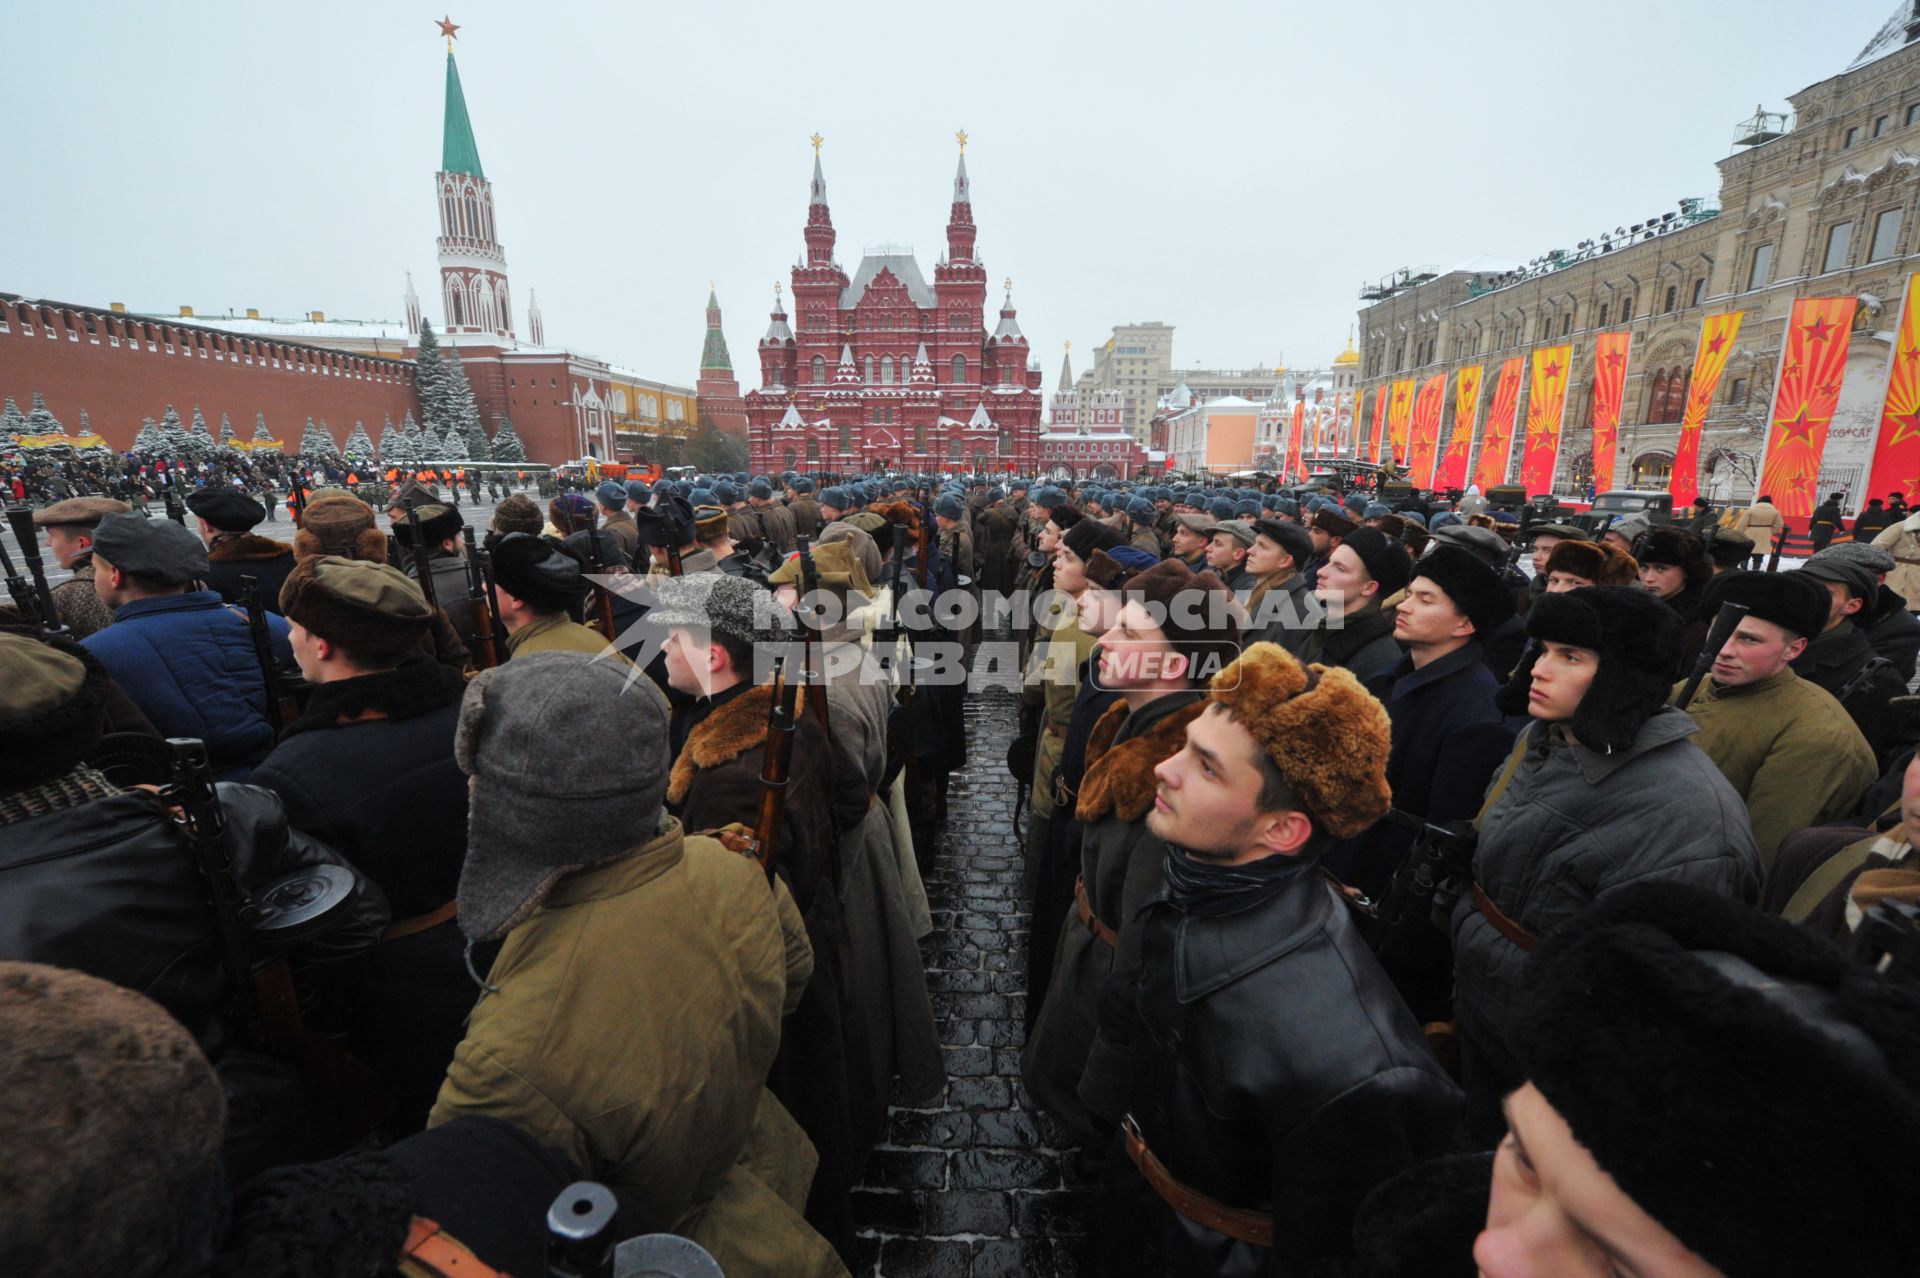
x=1236 y=170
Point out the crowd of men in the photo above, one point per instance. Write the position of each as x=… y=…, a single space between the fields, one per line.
x=1394 y=910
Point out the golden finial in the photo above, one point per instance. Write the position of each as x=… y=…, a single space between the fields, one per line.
x=817 y=141
x=776 y=292
x=1068 y=344
x=961 y=138
x=1007 y=283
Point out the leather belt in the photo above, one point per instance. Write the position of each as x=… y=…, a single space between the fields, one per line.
x=421 y=922
x=1501 y=923
x=431 y=1252
x=1255 y=1227
x=1090 y=920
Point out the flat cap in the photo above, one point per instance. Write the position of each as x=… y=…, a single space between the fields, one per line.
x=227 y=509
x=156 y=549
x=1240 y=532
x=79 y=512
x=1291 y=538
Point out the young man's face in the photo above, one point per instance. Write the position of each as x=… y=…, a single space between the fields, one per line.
x=1049 y=537
x=1561 y=677
x=1135 y=653
x=1559 y=582
x=689 y=661
x=1427 y=616
x=68 y=544
x=1069 y=570
x=1207 y=796
x=1664 y=580
x=306 y=651
x=1186 y=542
x=1757 y=650
x=1225 y=553
x=1321 y=538
x=1840 y=603
x=1267 y=556
x=1555 y=1213
x=1542 y=547
x=1344 y=580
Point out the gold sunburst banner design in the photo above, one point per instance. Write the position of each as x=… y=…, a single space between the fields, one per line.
x=1609 y=387
x=1452 y=472
x=1716 y=348
x=1496 y=446
x=1811 y=369
x=1896 y=454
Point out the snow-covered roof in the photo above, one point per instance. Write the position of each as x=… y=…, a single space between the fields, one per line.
x=292 y=330
x=791 y=419
x=1486 y=265
x=904 y=268
x=980 y=418
x=1231 y=401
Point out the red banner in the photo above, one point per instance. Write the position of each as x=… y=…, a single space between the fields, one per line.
x=1424 y=440
x=1496 y=446
x=1466 y=410
x=1298 y=451
x=1609 y=385
x=1399 y=416
x=1546 y=410
x=1896 y=456
x=1811 y=370
x=1716 y=348
x=1379 y=422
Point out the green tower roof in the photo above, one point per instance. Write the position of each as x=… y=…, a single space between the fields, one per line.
x=458 y=154
x=715 y=354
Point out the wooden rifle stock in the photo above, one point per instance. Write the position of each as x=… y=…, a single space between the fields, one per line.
x=775 y=769
x=674 y=567
x=422 y=564
x=809 y=583
x=480 y=608
x=602 y=600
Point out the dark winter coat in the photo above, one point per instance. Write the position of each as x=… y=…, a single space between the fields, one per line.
x=450 y=592
x=369 y=769
x=1871 y=522
x=1070 y=1067
x=1893 y=631
x=1448 y=739
x=1838 y=661
x=1363 y=643
x=188 y=662
x=1273 y=1068
x=1574 y=826
x=1826 y=522
x=993 y=548
x=1693 y=627
x=779 y=526
x=232 y=556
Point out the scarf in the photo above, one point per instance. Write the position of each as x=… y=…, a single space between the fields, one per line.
x=56 y=794
x=1206 y=890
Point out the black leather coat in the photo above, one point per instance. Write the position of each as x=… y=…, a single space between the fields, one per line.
x=111 y=888
x=1273 y=1068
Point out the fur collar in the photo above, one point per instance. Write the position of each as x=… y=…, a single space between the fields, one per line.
x=245 y=548
x=417 y=686
x=1119 y=778
x=723 y=736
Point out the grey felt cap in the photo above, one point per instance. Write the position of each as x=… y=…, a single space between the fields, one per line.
x=569 y=761
x=158 y=549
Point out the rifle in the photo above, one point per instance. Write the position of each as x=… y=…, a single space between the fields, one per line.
x=1724 y=623
x=24 y=601
x=278 y=702
x=483 y=558
x=602 y=600
x=674 y=566
x=29 y=538
x=422 y=565
x=480 y=607
x=774 y=770
x=809 y=583
x=580 y=1231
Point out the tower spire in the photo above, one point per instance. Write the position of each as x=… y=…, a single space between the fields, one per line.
x=473 y=265
x=1066 y=369
x=714 y=357
x=819 y=233
x=458 y=152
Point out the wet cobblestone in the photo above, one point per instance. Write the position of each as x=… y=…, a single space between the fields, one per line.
x=973 y=1186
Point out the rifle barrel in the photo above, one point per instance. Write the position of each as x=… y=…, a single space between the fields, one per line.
x=29 y=538
x=479 y=603
x=1725 y=622
x=775 y=769
x=263 y=652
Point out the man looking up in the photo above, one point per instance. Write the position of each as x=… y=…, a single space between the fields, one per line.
x=1227 y=547
x=1363 y=570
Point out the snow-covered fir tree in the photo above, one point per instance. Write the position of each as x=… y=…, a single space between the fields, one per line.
x=462 y=412
x=99 y=449
x=416 y=440
x=151 y=441
x=453 y=445
x=201 y=445
x=229 y=439
x=41 y=420
x=391 y=448
x=317 y=444
x=506 y=443
x=174 y=436
x=261 y=435
x=431 y=380
x=13 y=422
x=358 y=450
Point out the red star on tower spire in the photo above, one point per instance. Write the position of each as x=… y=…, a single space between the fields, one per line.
x=447 y=28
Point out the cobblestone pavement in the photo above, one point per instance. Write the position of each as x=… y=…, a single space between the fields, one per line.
x=975 y=1185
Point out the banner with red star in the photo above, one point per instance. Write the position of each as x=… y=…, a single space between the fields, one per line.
x=1609 y=386
x=1496 y=446
x=1896 y=454
x=1424 y=441
x=1297 y=447
x=1546 y=407
x=1716 y=348
x=1378 y=433
x=1452 y=472
x=1811 y=370
x=1399 y=418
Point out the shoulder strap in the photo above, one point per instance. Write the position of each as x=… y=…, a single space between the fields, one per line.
x=1506 y=777
x=1819 y=885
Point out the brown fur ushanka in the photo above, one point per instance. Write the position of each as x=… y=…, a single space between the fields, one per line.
x=1119 y=778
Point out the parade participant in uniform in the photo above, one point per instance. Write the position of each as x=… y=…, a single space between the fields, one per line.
x=1273 y=1070
x=635 y=1007
x=70 y=526
x=993 y=546
x=671 y=523
x=518 y=513
x=368 y=769
x=1327 y=529
x=1618 y=1161
x=1545 y=538
x=639 y=496
x=1761 y=523
x=774 y=519
x=184 y=656
x=1573 y=564
x=835 y=503
x=1227 y=547
x=1174 y=631
x=1840 y=660
x=1190 y=536
x=1448 y=735
x=802 y=506
x=1145 y=536
x=614 y=517
x=440 y=531
x=1901 y=539
x=1603 y=790
x=227 y=518
x=1674 y=567
x=714 y=636
x=1787 y=747
x=338 y=523
x=710 y=528
x=1826 y=521
x=1728 y=550
x=536 y=588
x=1280 y=608
x=1366 y=568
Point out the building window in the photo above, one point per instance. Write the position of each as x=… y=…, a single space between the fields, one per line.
x=1566 y=323
x=1886 y=233
x=813 y=451
x=1846 y=141
x=869 y=370
x=1699 y=291
x=819 y=369
x=791 y=459
x=1673 y=296
x=1626 y=311
x=959 y=369
x=1737 y=394
x=1760 y=274
x=919 y=439
x=1604 y=308
x=1913 y=113
x=846 y=438
x=886 y=370
x=1839 y=244
x=1879 y=125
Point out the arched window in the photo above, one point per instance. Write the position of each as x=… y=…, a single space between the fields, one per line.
x=476 y=290
x=456 y=303
x=500 y=301
x=1673 y=297
x=869 y=370
x=819 y=369
x=1657 y=401
x=790 y=459
x=473 y=217
x=886 y=370
x=959 y=369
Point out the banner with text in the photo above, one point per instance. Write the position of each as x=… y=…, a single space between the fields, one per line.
x=1609 y=387
x=1496 y=445
x=1399 y=418
x=1428 y=407
x=1716 y=348
x=1546 y=411
x=1896 y=454
x=1466 y=408
x=1812 y=368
